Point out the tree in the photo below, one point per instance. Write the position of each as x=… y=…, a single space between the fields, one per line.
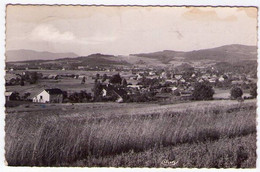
x=124 y=82
x=104 y=78
x=25 y=96
x=225 y=76
x=187 y=75
x=253 y=91
x=22 y=82
x=168 y=75
x=97 y=76
x=74 y=98
x=26 y=76
x=34 y=77
x=82 y=96
x=176 y=93
x=83 y=80
x=236 y=92
x=15 y=96
x=85 y=96
x=166 y=90
x=149 y=82
x=202 y=91
x=116 y=79
x=97 y=90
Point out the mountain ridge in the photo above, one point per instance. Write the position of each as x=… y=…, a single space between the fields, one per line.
x=29 y=55
x=227 y=53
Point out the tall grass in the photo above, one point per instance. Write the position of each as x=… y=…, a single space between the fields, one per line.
x=54 y=140
x=238 y=152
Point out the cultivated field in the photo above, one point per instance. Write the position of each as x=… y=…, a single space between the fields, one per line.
x=65 y=83
x=212 y=134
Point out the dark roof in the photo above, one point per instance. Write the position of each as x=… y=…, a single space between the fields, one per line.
x=54 y=91
x=119 y=91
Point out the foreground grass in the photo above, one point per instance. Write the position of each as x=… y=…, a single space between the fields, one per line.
x=238 y=152
x=53 y=140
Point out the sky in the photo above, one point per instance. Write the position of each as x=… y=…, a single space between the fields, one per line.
x=125 y=30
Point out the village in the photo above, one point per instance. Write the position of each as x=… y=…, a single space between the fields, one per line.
x=123 y=84
x=130 y=86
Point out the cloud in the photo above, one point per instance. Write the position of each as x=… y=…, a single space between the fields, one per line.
x=51 y=34
x=206 y=15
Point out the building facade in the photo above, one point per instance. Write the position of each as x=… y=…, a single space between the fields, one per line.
x=49 y=96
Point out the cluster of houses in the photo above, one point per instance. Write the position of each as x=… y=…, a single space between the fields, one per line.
x=163 y=83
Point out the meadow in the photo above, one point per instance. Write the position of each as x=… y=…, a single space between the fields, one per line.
x=65 y=83
x=210 y=134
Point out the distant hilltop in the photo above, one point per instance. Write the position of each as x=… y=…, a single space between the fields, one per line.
x=229 y=53
x=28 y=55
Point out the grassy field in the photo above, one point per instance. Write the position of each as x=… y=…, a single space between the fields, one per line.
x=213 y=134
x=65 y=83
x=225 y=94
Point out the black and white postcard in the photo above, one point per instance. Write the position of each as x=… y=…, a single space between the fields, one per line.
x=130 y=86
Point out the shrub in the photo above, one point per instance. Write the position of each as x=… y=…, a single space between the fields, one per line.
x=141 y=97
x=15 y=96
x=236 y=92
x=80 y=97
x=202 y=91
x=137 y=98
x=25 y=96
x=116 y=79
x=149 y=82
x=176 y=93
x=166 y=90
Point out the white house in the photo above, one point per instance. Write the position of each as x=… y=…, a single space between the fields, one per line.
x=221 y=79
x=139 y=76
x=151 y=73
x=200 y=80
x=212 y=80
x=171 y=81
x=134 y=86
x=8 y=95
x=174 y=88
x=53 y=76
x=81 y=67
x=182 y=80
x=54 y=95
x=178 y=76
x=163 y=75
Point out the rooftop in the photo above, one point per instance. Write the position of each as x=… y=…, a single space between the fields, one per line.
x=54 y=91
